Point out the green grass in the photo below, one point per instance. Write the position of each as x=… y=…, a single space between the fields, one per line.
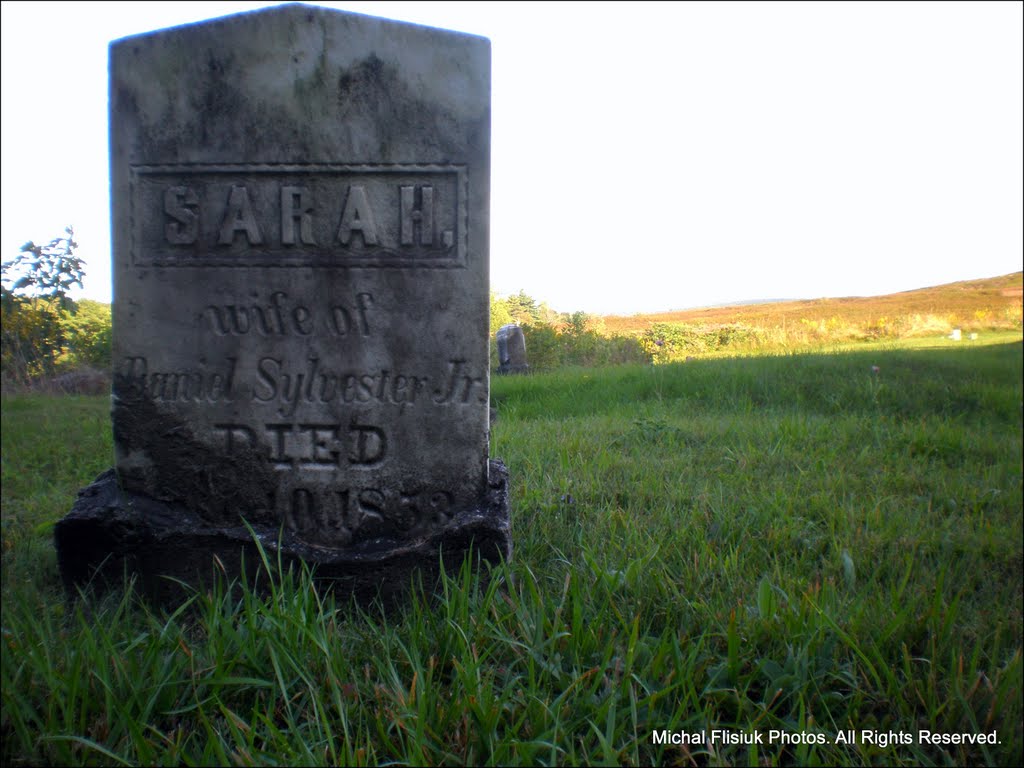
x=797 y=543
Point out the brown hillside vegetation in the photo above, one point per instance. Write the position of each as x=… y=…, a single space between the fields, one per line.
x=971 y=304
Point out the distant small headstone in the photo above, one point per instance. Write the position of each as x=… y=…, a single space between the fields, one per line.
x=955 y=335
x=511 y=349
x=300 y=241
x=973 y=337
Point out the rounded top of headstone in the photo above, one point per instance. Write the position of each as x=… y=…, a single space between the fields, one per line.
x=299 y=83
x=296 y=12
x=508 y=330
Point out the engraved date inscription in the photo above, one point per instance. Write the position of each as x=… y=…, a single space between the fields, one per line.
x=341 y=515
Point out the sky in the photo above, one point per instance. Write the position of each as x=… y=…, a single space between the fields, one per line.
x=645 y=156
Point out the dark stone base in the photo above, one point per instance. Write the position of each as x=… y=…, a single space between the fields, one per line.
x=111 y=533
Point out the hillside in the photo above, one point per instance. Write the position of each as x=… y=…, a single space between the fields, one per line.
x=986 y=301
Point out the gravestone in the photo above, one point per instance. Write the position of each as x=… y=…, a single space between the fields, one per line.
x=511 y=349
x=300 y=243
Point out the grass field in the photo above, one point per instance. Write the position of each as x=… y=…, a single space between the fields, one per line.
x=785 y=548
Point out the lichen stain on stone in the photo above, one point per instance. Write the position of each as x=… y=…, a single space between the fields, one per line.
x=180 y=468
x=218 y=101
x=214 y=99
x=373 y=92
x=364 y=81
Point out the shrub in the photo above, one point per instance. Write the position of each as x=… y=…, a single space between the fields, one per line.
x=44 y=331
x=88 y=332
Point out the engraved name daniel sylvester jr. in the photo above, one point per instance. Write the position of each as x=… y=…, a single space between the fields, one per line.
x=274 y=382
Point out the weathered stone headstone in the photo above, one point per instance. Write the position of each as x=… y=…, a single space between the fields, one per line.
x=300 y=234
x=511 y=349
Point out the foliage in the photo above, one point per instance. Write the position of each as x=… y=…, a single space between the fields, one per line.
x=523 y=308
x=579 y=339
x=500 y=314
x=575 y=324
x=805 y=543
x=542 y=347
x=34 y=303
x=45 y=271
x=548 y=348
x=88 y=332
x=675 y=342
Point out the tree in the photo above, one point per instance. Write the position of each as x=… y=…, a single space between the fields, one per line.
x=46 y=271
x=499 y=312
x=546 y=315
x=523 y=308
x=576 y=323
x=34 y=302
x=88 y=334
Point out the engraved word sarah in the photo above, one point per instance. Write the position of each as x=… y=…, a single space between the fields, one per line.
x=357 y=219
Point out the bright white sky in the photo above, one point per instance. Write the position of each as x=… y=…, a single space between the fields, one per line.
x=645 y=157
